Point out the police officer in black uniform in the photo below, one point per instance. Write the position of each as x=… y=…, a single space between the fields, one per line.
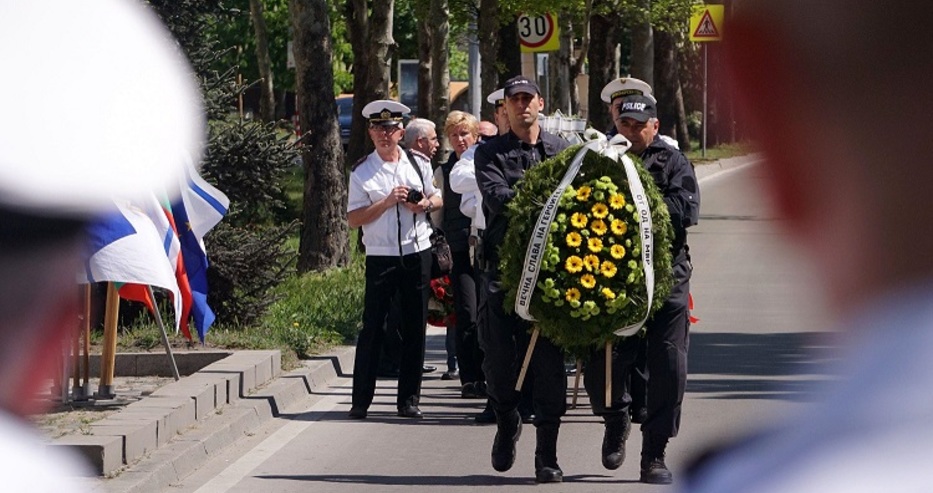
x=504 y=337
x=634 y=113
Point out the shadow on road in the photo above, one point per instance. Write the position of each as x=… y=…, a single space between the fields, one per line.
x=759 y=366
x=428 y=480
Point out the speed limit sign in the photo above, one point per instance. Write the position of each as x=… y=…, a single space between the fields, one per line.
x=538 y=33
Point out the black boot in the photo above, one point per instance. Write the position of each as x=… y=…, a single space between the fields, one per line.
x=546 y=468
x=653 y=469
x=503 y=447
x=617 y=430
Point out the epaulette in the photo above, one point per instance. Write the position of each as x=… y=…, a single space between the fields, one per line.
x=358 y=162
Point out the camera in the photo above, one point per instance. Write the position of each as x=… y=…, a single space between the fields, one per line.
x=414 y=196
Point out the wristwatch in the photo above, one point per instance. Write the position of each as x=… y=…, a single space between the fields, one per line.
x=428 y=208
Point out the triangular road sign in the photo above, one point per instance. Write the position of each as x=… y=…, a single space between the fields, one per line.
x=706 y=28
x=706 y=23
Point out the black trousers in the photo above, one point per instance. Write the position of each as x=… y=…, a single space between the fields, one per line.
x=463 y=282
x=666 y=342
x=504 y=339
x=387 y=277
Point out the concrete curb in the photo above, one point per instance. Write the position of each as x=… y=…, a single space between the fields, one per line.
x=195 y=423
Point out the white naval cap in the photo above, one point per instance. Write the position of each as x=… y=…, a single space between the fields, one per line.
x=385 y=112
x=496 y=98
x=626 y=86
x=103 y=106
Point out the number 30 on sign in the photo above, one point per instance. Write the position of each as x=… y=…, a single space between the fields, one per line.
x=538 y=33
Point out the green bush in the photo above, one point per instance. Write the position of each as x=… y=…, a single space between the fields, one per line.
x=319 y=308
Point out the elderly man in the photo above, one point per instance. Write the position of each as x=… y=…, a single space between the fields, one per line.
x=852 y=193
x=503 y=336
x=421 y=139
x=122 y=66
x=390 y=195
x=634 y=114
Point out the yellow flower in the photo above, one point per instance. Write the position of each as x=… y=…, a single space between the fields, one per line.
x=595 y=245
x=600 y=210
x=608 y=269
x=608 y=293
x=591 y=262
x=583 y=193
x=573 y=264
x=619 y=227
x=617 y=201
x=588 y=281
x=598 y=227
x=578 y=220
x=574 y=239
x=573 y=294
x=617 y=251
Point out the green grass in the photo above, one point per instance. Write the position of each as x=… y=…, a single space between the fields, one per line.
x=716 y=153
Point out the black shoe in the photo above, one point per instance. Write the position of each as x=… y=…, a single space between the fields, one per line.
x=653 y=469
x=546 y=468
x=357 y=413
x=472 y=390
x=614 y=439
x=503 y=446
x=410 y=411
x=547 y=473
x=655 y=472
x=449 y=375
x=527 y=417
x=428 y=369
x=486 y=417
x=639 y=414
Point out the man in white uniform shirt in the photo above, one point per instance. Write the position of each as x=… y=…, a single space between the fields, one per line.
x=389 y=196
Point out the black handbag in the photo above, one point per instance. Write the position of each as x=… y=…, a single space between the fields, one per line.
x=442 y=260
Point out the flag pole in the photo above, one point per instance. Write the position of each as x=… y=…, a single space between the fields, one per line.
x=76 y=361
x=108 y=355
x=168 y=347
x=86 y=383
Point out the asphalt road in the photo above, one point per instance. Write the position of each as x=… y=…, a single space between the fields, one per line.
x=752 y=356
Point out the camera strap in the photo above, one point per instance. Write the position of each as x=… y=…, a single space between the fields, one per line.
x=414 y=216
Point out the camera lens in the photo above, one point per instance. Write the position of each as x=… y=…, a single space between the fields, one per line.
x=414 y=196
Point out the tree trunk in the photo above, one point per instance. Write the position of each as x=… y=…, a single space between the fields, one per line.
x=324 y=227
x=264 y=62
x=643 y=49
x=575 y=63
x=373 y=47
x=440 y=64
x=425 y=68
x=358 y=27
x=561 y=83
x=604 y=67
x=509 y=52
x=487 y=26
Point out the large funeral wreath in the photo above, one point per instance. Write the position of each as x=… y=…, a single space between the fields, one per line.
x=591 y=279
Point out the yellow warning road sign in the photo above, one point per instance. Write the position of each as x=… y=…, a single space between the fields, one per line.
x=706 y=23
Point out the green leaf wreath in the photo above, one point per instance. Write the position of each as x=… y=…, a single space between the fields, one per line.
x=591 y=280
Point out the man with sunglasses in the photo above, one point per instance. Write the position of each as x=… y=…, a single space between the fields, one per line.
x=390 y=196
